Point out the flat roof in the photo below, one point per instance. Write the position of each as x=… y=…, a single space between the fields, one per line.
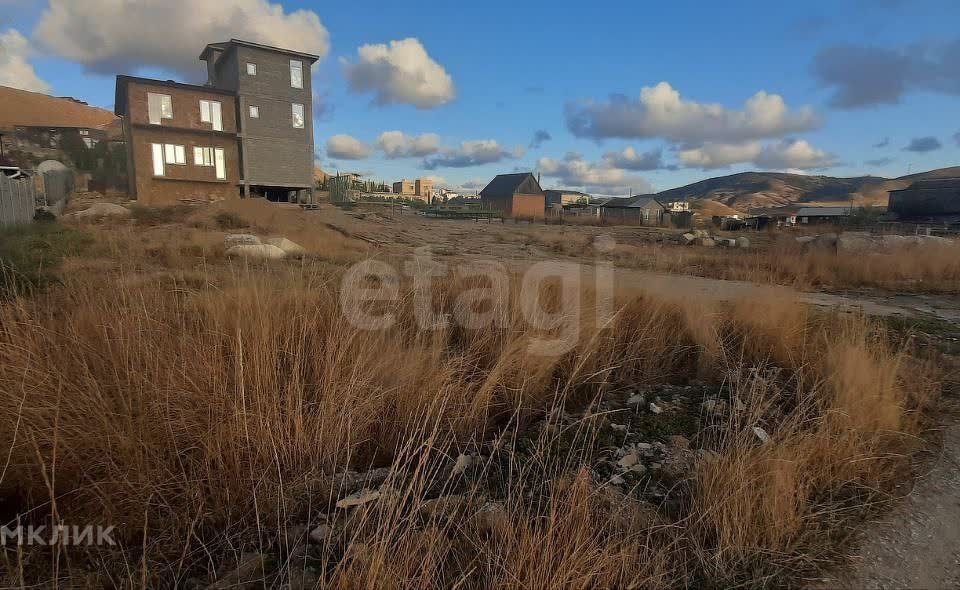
x=225 y=45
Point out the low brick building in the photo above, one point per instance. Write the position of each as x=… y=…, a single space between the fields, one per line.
x=515 y=195
x=175 y=151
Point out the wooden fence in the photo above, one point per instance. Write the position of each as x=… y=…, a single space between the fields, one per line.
x=18 y=200
x=21 y=197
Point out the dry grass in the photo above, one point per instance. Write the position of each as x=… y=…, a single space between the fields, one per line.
x=202 y=406
x=931 y=268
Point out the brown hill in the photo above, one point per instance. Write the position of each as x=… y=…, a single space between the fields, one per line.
x=753 y=190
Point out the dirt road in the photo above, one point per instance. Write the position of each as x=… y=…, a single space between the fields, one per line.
x=917 y=544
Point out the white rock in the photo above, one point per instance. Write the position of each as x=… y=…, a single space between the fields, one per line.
x=706 y=242
x=655 y=408
x=617 y=480
x=805 y=239
x=761 y=434
x=257 y=252
x=628 y=460
x=231 y=240
x=639 y=468
x=291 y=249
x=743 y=242
x=463 y=463
x=636 y=399
x=688 y=238
x=643 y=446
x=618 y=427
x=98 y=210
x=359 y=498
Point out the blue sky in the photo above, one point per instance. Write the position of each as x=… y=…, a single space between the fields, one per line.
x=840 y=78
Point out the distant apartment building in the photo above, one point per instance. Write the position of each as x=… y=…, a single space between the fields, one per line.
x=423 y=188
x=404 y=188
x=248 y=131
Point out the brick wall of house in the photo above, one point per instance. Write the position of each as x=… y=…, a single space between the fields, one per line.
x=186 y=107
x=183 y=181
x=188 y=180
x=528 y=206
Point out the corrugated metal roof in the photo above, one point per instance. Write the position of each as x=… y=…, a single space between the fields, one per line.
x=20 y=108
x=823 y=211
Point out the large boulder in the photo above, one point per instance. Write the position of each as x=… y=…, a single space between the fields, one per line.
x=256 y=252
x=232 y=240
x=857 y=242
x=291 y=249
x=743 y=242
x=706 y=242
x=825 y=242
x=101 y=210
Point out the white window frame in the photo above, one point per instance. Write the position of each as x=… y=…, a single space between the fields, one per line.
x=158 y=159
x=254 y=111
x=294 y=108
x=203 y=156
x=296 y=80
x=211 y=111
x=159 y=107
x=220 y=163
x=251 y=68
x=175 y=154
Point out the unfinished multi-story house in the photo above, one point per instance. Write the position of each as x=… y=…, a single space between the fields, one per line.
x=247 y=132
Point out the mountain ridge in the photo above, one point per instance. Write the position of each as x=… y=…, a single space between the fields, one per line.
x=746 y=191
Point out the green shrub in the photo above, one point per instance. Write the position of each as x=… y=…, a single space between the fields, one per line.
x=30 y=255
x=229 y=220
x=144 y=215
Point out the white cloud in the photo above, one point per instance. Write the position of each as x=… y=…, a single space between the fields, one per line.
x=401 y=72
x=15 y=70
x=719 y=155
x=631 y=159
x=108 y=36
x=396 y=144
x=794 y=153
x=660 y=111
x=786 y=154
x=575 y=172
x=472 y=153
x=346 y=147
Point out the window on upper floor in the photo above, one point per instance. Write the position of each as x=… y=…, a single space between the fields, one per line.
x=254 y=112
x=297 y=115
x=251 y=69
x=159 y=107
x=212 y=112
x=296 y=74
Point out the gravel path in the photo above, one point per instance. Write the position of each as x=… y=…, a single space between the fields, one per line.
x=916 y=545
